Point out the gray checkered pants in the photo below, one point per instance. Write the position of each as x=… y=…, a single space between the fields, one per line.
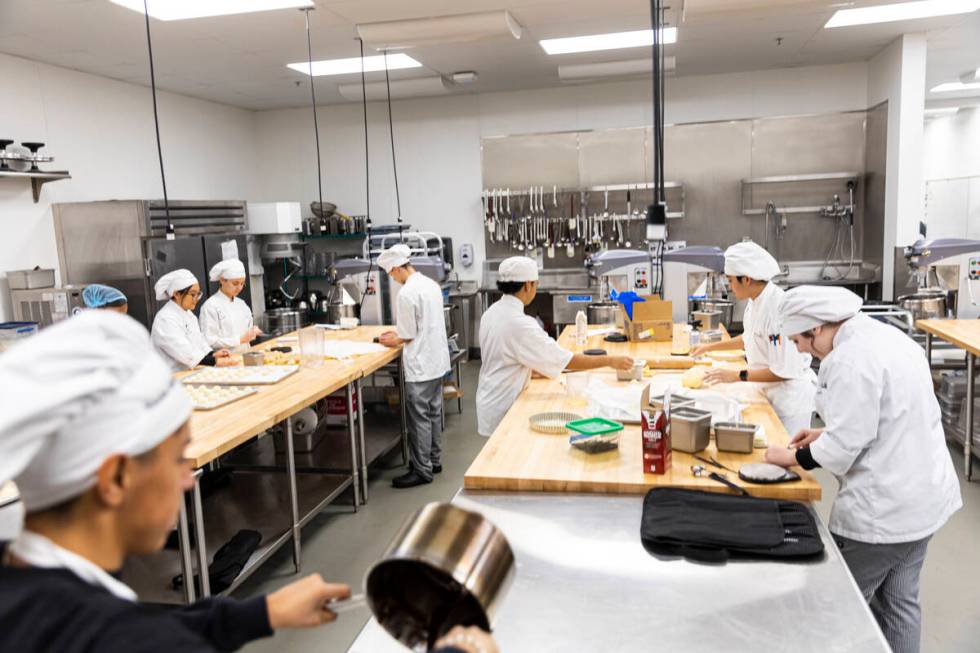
x=888 y=575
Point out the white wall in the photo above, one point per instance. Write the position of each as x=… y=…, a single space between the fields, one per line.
x=897 y=75
x=438 y=139
x=951 y=161
x=101 y=131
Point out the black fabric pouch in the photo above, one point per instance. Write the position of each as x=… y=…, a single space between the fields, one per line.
x=228 y=561
x=712 y=527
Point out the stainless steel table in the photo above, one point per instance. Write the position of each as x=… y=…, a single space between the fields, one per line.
x=585 y=583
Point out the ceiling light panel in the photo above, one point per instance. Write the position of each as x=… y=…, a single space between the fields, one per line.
x=568 y=72
x=402 y=88
x=614 y=41
x=951 y=87
x=186 y=9
x=460 y=28
x=353 y=65
x=901 y=11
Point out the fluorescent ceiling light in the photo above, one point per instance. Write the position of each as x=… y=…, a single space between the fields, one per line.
x=595 y=42
x=901 y=11
x=941 y=111
x=184 y=9
x=950 y=87
x=459 y=28
x=353 y=65
x=401 y=88
x=612 y=68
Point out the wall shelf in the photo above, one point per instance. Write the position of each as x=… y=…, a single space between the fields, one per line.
x=793 y=179
x=38 y=179
x=334 y=237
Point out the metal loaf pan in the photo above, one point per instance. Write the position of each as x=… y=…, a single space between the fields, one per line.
x=735 y=437
x=690 y=429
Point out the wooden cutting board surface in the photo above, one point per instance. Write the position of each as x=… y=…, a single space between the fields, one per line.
x=516 y=458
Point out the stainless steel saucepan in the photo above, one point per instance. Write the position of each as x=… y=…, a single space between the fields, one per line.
x=446 y=567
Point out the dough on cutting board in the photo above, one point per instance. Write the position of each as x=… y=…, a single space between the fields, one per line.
x=693 y=378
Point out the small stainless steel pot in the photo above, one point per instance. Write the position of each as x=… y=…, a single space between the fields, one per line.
x=446 y=567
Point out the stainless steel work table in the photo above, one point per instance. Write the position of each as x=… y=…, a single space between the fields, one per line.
x=585 y=583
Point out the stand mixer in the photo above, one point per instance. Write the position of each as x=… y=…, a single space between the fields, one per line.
x=932 y=299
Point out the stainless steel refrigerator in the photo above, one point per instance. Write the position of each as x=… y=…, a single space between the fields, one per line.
x=123 y=243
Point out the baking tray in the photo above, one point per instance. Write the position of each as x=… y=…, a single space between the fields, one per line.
x=265 y=375
x=221 y=395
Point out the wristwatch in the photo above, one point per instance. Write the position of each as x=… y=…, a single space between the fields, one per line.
x=743 y=375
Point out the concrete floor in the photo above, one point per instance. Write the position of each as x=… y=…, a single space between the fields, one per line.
x=341 y=545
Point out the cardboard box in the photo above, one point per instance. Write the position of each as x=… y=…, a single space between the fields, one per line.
x=652 y=320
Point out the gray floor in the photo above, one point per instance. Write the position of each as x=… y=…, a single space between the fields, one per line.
x=341 y=546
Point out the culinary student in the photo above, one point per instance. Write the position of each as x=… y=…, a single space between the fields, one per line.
x=226 y=320
x=106 y=297
x=93 y=429
x=771 y=358
x=176 y=333
x=421 y=329
x=884 y=442
x=512 y=345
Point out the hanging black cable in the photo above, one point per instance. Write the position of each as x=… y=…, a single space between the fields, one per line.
x=156 y=120
x=316 y=128
x=367 y=182
x=391 y=132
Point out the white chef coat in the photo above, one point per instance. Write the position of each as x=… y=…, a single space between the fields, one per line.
x=38 y=551
x=177 y=336
x=224 y=320
x=511 y=345
x=767 y=348
x=422 y=321
x=883 y=440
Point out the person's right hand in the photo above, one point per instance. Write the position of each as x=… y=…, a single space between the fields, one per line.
x=303 y=603
x=624 y=363
x=470 y=639
x=804 y=438
x=700 y=350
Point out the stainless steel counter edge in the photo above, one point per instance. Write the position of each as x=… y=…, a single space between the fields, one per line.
x=585 y=583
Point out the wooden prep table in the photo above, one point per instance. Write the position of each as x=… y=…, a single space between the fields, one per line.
x=964 y=334
x=517 y=458
x=266 y=496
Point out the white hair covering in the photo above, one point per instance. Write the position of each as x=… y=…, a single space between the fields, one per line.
x=230 y=268
x=805 y=307
x=517 y=268
x=394 y=257
x=75 y=394
x=171 y=282
x=746 y=259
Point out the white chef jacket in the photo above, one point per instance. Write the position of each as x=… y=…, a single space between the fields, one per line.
x=511 y=345
x=177 y=336
x=224 y=320
x=422 y=321
x=883 y=439
x=767 y=348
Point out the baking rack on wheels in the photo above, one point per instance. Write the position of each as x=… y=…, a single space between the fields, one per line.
x=249 y=475
x=964 y=334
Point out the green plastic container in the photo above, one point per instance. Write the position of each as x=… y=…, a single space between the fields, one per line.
x=594 y=426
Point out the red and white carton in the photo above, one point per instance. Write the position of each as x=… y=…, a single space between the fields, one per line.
x=656 y=441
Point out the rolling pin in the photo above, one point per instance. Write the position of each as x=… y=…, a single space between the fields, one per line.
x=670 y=363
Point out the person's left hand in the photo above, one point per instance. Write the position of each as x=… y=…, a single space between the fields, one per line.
x=389 y=339
x=470 y=639
x=720 y=375
x=303 y=603
x=222 y=353
x=781 y=456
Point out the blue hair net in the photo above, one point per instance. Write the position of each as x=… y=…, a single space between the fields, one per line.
x=97 y=295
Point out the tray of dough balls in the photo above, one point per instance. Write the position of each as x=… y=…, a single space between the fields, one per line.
x=257 y=375
x=209 y=397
